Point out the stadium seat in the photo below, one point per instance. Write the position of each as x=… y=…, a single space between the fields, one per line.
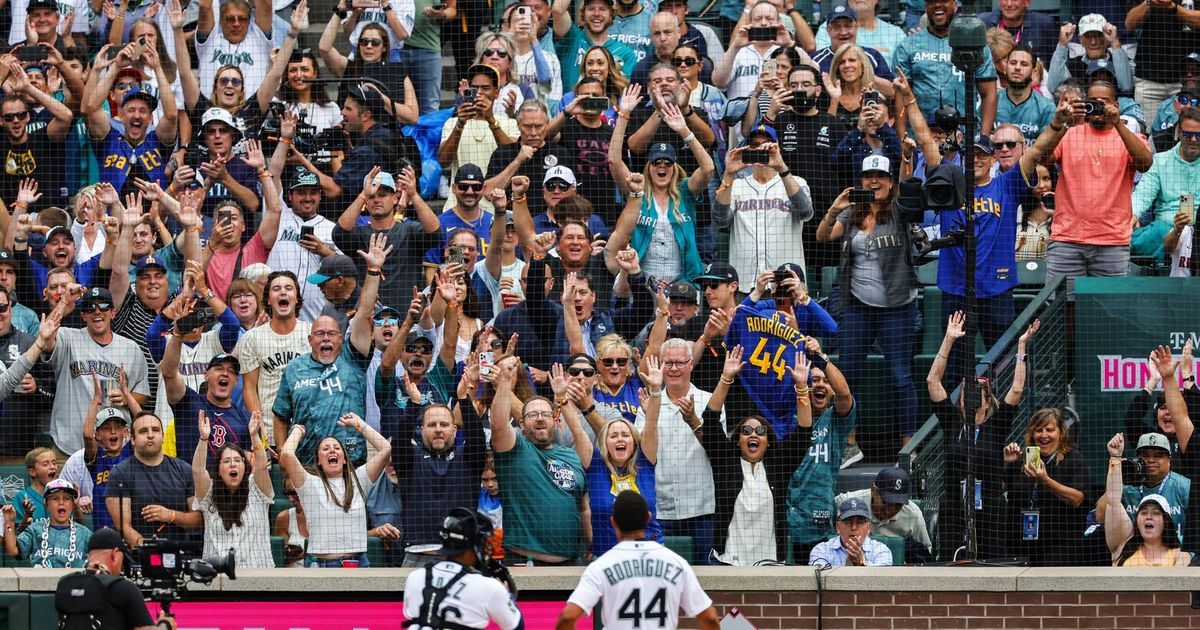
x=13 y=478
x=927 y=273
x=896 y=544
x=376 y=554
x=277 y=552
x=681 y=545
x=1031 y=274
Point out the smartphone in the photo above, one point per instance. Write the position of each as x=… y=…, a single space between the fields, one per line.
x=1187 y=201
x=1033 y=456
x=862 y=196
x=769 y=68
x=306 y=230
x=113 y=52
x=872 y=97
x=760 y=34
x=137 y=48
x=594 y=103
x=525 y=11
x=454 y=254
x=487 y=360
x=31 y=53
x=470 y=94
x=438 y=7
x=755 y=156
x=224 y=216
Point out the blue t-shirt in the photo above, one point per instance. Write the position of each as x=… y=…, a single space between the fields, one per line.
x=925 y=60
x=996 y=231
x=624 y=402
x=810 y=493
x=451 y=223
x=118 y=157
x=770 y=347
x=1031 y=117
x=1174 y=487
x=229 y=425
x=603 y=488
x=99 y=470
x=316 y=395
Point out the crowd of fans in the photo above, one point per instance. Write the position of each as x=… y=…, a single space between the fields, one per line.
x=222 y=245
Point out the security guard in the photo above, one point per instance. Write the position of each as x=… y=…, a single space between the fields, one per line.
x=98 y=597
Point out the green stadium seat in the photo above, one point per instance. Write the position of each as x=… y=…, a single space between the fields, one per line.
x=1031 y=274
x=277 y=552
x=829 y=278
x=896 y=544
x=376 y=554
x=681 y=545
x=927 y=273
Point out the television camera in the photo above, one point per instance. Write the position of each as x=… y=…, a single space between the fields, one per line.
x=163 y=569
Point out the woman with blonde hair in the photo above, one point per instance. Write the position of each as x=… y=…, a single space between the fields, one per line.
x=1046 y=480
x=499 y=50
x=663 y=191
x=599 y=64
x=617 y=383
x=851 y=75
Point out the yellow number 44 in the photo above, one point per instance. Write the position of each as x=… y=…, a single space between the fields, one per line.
x=765 y=362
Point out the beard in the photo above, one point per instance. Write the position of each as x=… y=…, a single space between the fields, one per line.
x=1020 y=85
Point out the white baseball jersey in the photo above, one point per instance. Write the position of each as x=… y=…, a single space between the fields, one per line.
x=643 y=585
x=472 y=601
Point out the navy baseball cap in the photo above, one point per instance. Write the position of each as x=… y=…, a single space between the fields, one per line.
x=661 y=150
x=468 y=173
x=984 y=144
x=147 y=262
x=225 y=358
x=842 y=12
x=853 y=507
x=96 y=295
x=893 y=485
x=150 y=99
x=720 y=272
x=334 y=266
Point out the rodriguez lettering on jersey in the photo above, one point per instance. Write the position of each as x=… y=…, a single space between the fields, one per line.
x=643 y=568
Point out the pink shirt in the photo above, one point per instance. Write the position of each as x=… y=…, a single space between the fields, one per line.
x=220 y=272
x=1094 y=197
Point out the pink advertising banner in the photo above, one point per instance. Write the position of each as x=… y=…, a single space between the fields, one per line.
x=250 y=615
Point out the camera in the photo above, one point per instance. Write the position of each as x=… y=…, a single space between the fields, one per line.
x=317 y=146
x=872 y=97
x=200 y=317
x=163 y=568
x=944 y=189
x=760 y=34
x=1133 y=472
x=1093 y=106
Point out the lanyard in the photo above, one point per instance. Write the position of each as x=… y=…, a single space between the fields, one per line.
x=1033 y=494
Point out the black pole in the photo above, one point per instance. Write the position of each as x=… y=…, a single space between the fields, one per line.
x=970 y=313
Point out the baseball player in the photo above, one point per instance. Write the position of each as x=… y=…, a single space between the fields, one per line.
x=642 y=583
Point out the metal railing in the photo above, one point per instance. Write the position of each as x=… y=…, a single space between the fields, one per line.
x=1047 y=384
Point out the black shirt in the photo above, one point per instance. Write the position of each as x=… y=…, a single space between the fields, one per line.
x=1060 y=525
x=663 y=134
x=805 y=142
x=402 y=270
x=1163 y=44
x=124 y=606
x=545 y=158
x=40 y=158
x=21 y=415
x=168 y=484
x=589 y=160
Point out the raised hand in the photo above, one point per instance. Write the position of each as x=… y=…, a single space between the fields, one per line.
x=652 y=374
x=630 y=98
x=203 y=426
x=1030 y=331
x=299 y=20
x=370 y=187
x=636 y=182
x=687 y=409
x=954 y=327
x=1116 y=446
x=378 y=250
x=717 y=325
x=558 y=381
x=627 y=259
x=1012 y=453
x=1066 y=33
x=254 y=156
x=801 y=372
x=499 y=199
x=174 y=13
x=352 y=421
x=27 y=191
x=1165 y=364
x=520 y=186
x=733 y=363
x=674 y=118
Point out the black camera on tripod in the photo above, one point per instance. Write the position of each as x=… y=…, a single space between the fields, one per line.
x=944 y=189
x=163 y=569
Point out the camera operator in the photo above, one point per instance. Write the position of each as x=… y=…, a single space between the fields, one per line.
x=995 y=214
x=480 y=598
x=1156 y=477
x=99 y=597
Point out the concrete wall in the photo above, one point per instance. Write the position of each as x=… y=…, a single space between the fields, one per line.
x=786 y=597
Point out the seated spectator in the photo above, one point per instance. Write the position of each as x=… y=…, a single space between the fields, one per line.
x=893 y=514
x=151 y=494
x=61 y=542
x=1097 y=40
x=853 y=545
x=292 y=527
x=235 y=506
x=540 y=481
x=1047 y=492
x=752 y=513
x=1187 y=96
x=1032 y=28
x=1159 y=193
x=335 y=498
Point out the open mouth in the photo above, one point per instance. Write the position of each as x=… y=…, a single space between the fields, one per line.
x=233 y=475
x=754 y=446
x=333 y=460
x=283 y=304
x=387 y=334
x=224 y=382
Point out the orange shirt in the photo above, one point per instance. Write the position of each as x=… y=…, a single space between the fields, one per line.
x=1094 y=198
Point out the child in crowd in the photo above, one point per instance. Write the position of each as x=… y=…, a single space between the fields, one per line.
x=52 y=542
x=43 y=468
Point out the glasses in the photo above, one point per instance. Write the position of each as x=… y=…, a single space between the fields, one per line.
x=498 y=52
x=14 y=117
x=557 y=186
x=496 y=344
x=128 y=85
x=685 y=62
x=470 y=187
x=1006 y=144
x=370 y=41
x=229 y=82
x=1188 y=101
x=4 y=308
x=621 y=362
x=663 y=162
x=244 y=296
x=387 y=321
x=539 y=415
x=1194 y=136
x=229 y=461
x=418 y=348
x=705 y=286
x=97 y=306
x=758 y=430
x=320 y=334
x=586 y=372
x=676 y=364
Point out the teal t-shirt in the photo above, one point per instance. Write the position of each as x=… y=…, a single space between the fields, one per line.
x=316 y=395
x=634 y=32
x=574 y=46
x=58 y=552
x=542 y=497
x=36 y=498
x=1174 y=487
x=925 y=60
x=810 y=493
x=1031 y=117
x=25 y=319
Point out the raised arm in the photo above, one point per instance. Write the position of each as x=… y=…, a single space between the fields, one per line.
x=493 y=261
x=270 y=83
x=1046 y=141
x=651 y=376
x=635 y=194
x=287 y=456
x=89 y=423
x=1118 y=529
x=565 y=394
x=1176 y=405
x=334 y=60
x=616 y=153
x=383 y=448
x=361 y=325
x=916 y=121
x=200 y=475
x=1021 y=369
x=504 y=436
x=954 y=332
x=560 y=16
x=698 y=182
x=167 y=128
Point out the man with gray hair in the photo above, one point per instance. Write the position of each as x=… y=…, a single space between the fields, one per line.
x=683 y=477
x=532 y=155
x=665 y=32
x=237 y=40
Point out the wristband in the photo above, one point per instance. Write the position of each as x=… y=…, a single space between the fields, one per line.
x=286 y=141
x=1058 y=129
x=657 y=394
x=522 y=198
x=785 y=174
x=589 y=410
x=727 y=382
x=387 y=7
x=341 y=13
x=210 y=295
x=293 y=35
x=1021 y=357
x=688 y=140
x=819 y=360
x=639 y=194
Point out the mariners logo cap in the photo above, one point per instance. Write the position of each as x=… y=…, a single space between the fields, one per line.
x=893 y=485
x=1154 y=440
x=851 y=508
x=876 y=164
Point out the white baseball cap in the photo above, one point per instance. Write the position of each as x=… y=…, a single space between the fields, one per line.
x=876 y=163
x=1092 y=23
x=560 y=172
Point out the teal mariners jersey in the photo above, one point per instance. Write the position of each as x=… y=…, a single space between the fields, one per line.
x=925 y=60
x=1174 y=487
x=810 y=493
x=317 y=395
x=1031 y=117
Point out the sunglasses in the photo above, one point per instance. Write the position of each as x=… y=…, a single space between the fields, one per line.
x=370 y=41
x=387 y=321
x=579 y=371
x=1006 y=144
x=236 y=19
x=14 y=117
x=418 y=348
x=128 y=85
x=662 y=162
x=557 y=186
x=498 y=52
x=496 y=344
x=1190 y=135
x=621 y=362
x=470 y=187
x=686 y=62
x=758 y=430
x=97 y=306
x=4 y=308
x=1188 y=101
x=229 y=82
